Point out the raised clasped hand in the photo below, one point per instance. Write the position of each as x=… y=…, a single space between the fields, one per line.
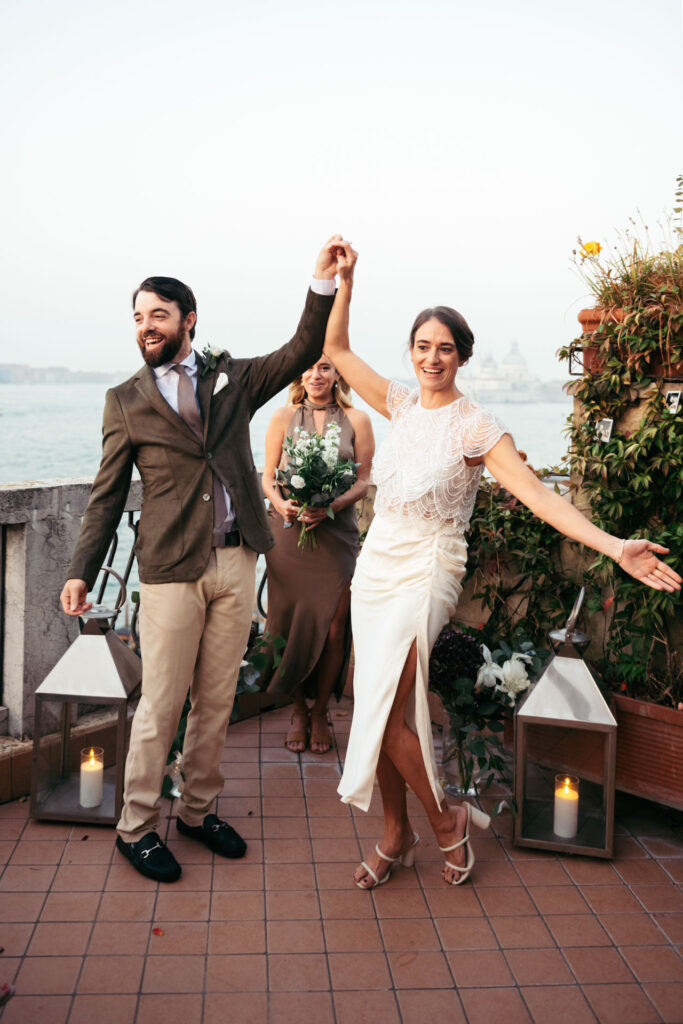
x=640 y=561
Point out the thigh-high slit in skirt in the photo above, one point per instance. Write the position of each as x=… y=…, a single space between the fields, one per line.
x=405 y=588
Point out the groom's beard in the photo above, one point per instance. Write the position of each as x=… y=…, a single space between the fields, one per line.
x=161 y=353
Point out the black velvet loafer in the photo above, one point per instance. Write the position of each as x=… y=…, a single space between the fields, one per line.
x=151 y=857
x=216 y=834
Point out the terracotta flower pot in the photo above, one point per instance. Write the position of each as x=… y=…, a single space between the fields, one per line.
x=594 y=358
x=650 y=751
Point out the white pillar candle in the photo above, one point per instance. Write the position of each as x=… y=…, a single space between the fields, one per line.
x=92 y=775
x=566 y=810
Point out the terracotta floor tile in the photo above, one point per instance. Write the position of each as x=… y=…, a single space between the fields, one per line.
x=671 y=925
x=119 y=937
x=331 y=828
x=244 y=755
x=495 y=872
x=87 y=853
x=169 y=1009
x=277 y=755
x=419 y=970
x=173 y=974
x=235 y=770
x=359 y=971
x=350 y=935
x=438 y=1006
x=673 y=868
x=521 y=933
x=667 y=898
x=31 y=878
x=115 y=974
x=644 y=872
x=556 y=1004
x=284 y=807
x=303 y=937
x=280 y=771
x=60 y=939
x=287 y=851
x=46 y=852
x=479 y=969
x=326 y=807
x=667 y=998
x=506 y=902
x=346 y=903
x=390 y=902
x=189 y=851
x=283 y=877
x=577 y=930
x=368 y=826
x=659 y=846
x=339 y=875
x=632 y=929
x=236 y=974
x=80 y=878
x=488 y=848
x=302 y=972
x=559 y=899
x=236 y=906
x=10 y=830
x=335 y=849
x=538 y=967
x=620 y=1004
x=105 y=1009
x=282 y=788
x=600 y=964
x=321 y=787
x=40 y=830
x=652 y=963
x=542 y=872
x=36 y=1010
x=122 y=877
x=285 y=828
x=126 y=906
x=494 y=1006
x=197 y=877
x=245 y=1008
x=21 y=906
x=286 y=1007
x=366 y=1008
x=15 y=938
x=402 y=934
x=465 y=933
x=453 y=901
x=237 y=876
x=227 y=937
x=584 y=871
x=49 y=975
x=626 y=847
x=181 y=906
x=292 y=906
x=179 y=937
x=69 y=906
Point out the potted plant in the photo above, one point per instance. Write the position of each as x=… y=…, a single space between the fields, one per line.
x=478 y=688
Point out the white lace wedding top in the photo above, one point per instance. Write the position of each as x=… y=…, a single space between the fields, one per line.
x=420 y=468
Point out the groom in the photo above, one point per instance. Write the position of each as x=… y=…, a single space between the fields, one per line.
x=183 y=420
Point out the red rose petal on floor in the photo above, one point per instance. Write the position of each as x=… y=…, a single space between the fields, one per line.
x=157 y=931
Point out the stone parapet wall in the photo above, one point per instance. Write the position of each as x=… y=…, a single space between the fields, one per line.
x=40 y=524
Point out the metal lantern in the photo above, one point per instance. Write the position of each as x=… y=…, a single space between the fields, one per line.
x=565 y=756
x=69 y=778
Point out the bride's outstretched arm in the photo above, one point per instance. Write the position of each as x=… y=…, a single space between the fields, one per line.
x=369 y=384
x=636 y=557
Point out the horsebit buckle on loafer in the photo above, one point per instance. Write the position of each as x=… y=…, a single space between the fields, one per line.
x=145 y=853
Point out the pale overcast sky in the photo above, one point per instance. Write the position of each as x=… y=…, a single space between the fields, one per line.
x=461 y=146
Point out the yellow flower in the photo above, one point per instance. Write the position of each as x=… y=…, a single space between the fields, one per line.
x=591 y=249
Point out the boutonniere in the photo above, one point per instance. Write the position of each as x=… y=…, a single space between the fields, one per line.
x=210 y=355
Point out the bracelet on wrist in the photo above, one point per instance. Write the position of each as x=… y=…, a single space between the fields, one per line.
x=619 y=557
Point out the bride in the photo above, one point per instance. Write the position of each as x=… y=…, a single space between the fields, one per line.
x=408 y=576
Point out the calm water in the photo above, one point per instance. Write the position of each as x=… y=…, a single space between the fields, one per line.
x=48 y=432
x=52 y=431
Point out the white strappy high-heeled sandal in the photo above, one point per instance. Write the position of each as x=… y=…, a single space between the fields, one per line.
x=405 y=859
x=482 y=821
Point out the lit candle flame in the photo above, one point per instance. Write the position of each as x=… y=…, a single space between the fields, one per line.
x=92 y=756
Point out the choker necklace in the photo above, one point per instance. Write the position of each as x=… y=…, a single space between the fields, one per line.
x=308 y=404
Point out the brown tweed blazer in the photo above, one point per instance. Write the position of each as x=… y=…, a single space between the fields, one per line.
x=140 y=428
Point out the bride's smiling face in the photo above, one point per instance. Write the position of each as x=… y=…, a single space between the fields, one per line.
x=435 y=357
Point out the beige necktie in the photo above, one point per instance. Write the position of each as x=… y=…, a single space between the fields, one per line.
x=188 y=410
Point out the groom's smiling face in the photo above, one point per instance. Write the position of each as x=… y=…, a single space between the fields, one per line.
x=161 y=331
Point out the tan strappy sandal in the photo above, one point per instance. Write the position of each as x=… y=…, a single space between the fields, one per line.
x=298 y=735
x=319 y=737
x=405 y=859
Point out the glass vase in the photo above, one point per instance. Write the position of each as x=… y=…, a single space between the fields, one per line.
x=459 y=767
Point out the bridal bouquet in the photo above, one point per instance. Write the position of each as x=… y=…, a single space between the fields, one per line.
x=315 y=475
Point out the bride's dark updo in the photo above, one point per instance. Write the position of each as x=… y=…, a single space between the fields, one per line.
x=456 y=324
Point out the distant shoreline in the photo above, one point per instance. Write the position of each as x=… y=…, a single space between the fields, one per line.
x=16 y=373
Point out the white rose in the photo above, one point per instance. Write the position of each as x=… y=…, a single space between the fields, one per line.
x=515 y=678
x=297 y=482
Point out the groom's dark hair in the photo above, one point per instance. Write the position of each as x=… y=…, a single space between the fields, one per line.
x=173 y=290
x=456 y=324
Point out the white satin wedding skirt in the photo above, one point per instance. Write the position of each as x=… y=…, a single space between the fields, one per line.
x=406 y=587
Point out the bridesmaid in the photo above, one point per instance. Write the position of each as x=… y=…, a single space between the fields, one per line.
x=308 y=590
x=407 y=579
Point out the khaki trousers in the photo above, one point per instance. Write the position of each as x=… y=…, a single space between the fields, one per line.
x=193 y=635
